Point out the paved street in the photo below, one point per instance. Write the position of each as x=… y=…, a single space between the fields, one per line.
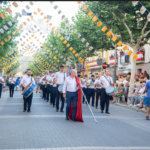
x=45 y=129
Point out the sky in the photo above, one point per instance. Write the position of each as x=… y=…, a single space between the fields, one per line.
x=68 y=8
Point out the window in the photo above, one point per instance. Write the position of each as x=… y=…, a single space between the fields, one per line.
x=90 y=58
x=96 y=57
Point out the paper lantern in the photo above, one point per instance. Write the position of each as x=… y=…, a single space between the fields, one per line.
x=114 y=38
x=3 y=58
x=125 y=48
x=50 y=24
x=17 y=30
x=5 y=40
x=2 y=31
x=45 y=17
x=53 y=28
x=70 y=48
x=80 y=58
x=31 y=16
x=24 y=23
x=59 y=12
x=65 y=42
x=104 y=28
x=79 y=35
x=73 y=51
x=35 y=13
x=84 y=7
x=90 y=48
x=13 y=33
x=129 y=52
x=6 y=55
x=76 y=54
x=83 y=39
x=2 y=43
x=9 y=10
x=109 y=33
x=68 y=45
x=58 y=34
x=87 y=44
x=61 y=38
x=58 y=61
x=90 y=13
x=47 y=21
x=38 y=9
x=32 y=35
x=28 y=19
x=3 y=15
x=50 y=53
x=135 y=57
x=119 y=43
x=94 y=18
x=63 y=17
x=55 y=31
x=99 y=23
x=15 y=4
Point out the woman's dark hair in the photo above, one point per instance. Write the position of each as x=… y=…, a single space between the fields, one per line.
x=129 y=73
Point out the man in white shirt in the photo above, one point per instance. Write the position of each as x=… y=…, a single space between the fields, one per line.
x=1 y=84
x=105 y=81
x=26 y=80
x=98 y=90
x=43 y=85
x=91 y=91
x=49 y=86
x=70 y=92
x=84 y=88
x=12 y=81
x=60 y=78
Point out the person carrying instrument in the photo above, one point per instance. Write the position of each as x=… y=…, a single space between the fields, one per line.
x=98 y=90
x=84 y=87
x=26 y=80
x=91 y=90
x=71 y=85
x=60 y=78
x=1 y=84
x=105 y=81
x=49 y=86
x=43 y=86
x=12 y=81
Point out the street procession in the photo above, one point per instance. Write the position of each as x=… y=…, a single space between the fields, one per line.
x=74 y=75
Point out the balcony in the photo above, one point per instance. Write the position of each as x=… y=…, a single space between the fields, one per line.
x=112 y=60
x=141 y=58
x=80 y=67
x=124 y=60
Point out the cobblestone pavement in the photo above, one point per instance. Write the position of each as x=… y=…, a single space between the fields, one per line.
x=45 y=129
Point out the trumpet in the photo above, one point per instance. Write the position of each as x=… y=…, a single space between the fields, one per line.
x=89 y=82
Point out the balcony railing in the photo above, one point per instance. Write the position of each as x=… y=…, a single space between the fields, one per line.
x=80 y=67
x=141 y=57
x=124 y=59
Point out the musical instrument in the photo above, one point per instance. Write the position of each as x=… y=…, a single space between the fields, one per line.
x=46 y=83
x=60 y=88
x=110 y=90
x=28 y=90
x=89 y=82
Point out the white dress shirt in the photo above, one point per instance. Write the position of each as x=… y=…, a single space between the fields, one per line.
x=1 y=79
x=44 y=80
x=91 y=86
x=26 y=80
x=84 y=84
x=60 y=77
x=125 y=81
x=70 y=85
x=104 y=81
x=49 y=78
x=12 y=80
x=98 y=82
x=54 y=85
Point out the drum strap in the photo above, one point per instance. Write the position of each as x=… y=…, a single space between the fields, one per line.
x=108 y=80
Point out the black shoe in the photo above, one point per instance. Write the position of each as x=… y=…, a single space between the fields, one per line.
x=61 y=110
x=56 y=110
x=73 y=119
x=96 y=108
x=93 y=106
x=29 y=111
x=24 y=110
x=101 y=111
x=107 y=112
x=67 y=118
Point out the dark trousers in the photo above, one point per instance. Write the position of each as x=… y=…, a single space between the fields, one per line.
x=104 y=100
x=59 y=95
x=90 y=93
x=71 y=97
x=54 y=89
x=48 y=91
x=0 y=89
x=98 y=94
x=28 y=101
x=11 y=89
x=85 y=93
x=44 y=91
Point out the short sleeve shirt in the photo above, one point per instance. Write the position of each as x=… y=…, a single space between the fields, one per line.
x=147 y=86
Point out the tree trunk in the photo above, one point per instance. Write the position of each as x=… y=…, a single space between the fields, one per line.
x=133 y=62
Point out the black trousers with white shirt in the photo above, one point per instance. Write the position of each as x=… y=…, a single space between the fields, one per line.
x=28 y=102
x=1 y=85
x=85 y=93
x=58 y=96
x=49 y=92
x=90 y=93
x=11 y=89
x=98 y=94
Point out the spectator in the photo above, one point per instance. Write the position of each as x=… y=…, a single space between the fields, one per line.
x=117 y=81
x=147 y=75
x=126 y=90
x=125 y=81
x=147 y=90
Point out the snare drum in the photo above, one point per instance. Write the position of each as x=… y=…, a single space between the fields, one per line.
x=110 y=90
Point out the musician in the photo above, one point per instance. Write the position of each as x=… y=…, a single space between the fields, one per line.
x=105 y=81
x=12 y=81
x=1 y=84
x=70 y=92
x=43 y=86
x=60 y=78
x=91 y=90
x=98 y=90
x=26 y=80
x=54 y=89
x=84 y=87
x=49 y=86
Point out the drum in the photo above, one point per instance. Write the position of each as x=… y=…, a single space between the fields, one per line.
x=60 y=88
x=110 y=90
x=28 y=90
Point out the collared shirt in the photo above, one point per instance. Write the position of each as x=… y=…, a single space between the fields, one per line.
x=1 y=79
x=54 y=85
x=26 y=80
x=70 y=85
x=104 y=81
x=98 y=82
x=60 y=77
x=43 y=80
x=91 y=86
x=84 y=84
x=142 y=89
x=49 y=78
x=12 y=80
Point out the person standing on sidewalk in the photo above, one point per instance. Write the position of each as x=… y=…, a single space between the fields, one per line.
x=147 y=90
x=1 y=84
x=12 y=81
